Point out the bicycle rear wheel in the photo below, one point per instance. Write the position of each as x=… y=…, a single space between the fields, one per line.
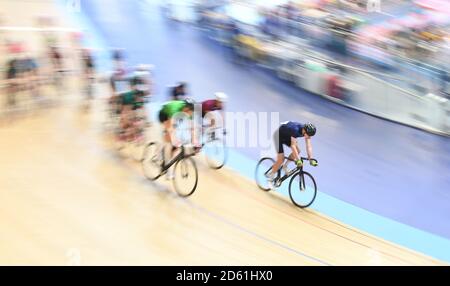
x=263 y=167
x=152 y=161
x=302 y=189
x=216 y=153
x=185 y=177
x=138 y=145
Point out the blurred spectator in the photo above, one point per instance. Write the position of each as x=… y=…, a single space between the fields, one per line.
x=270 y=25
x=292 y=14
x=12 y=83
x=31 y=76
x=88 y=72
x=445 y=79
x=56 y=59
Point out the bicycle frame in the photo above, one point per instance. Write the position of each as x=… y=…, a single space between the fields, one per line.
x=290 y=173
x=207 y=130
x=179 y=157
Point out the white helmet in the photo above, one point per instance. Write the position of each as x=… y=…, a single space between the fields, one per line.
x=144 y=68
x=220 y=96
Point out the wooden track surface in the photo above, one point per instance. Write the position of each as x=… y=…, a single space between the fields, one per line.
x=67 y=197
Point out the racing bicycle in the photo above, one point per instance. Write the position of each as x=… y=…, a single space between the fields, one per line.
x=214 y=146
x=302 y=186
x=185 y=169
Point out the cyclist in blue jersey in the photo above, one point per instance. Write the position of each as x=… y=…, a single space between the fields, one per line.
x=287 y=134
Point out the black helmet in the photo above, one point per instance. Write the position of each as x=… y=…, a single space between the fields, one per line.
x=136 y=80
x=310 y=129
x=181 y=84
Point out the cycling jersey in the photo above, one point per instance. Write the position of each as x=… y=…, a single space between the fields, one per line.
x=130 y=98
x=283 y=134
x=170 y=109
x=209 y=106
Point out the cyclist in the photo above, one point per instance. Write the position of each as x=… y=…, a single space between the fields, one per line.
x=211 y=106
x=287 y=134
x=166 y=117
x=168 y=111
x=129 y=104
x=145 y=73
x=143 y=83
x=118 y=81
x=178 y=92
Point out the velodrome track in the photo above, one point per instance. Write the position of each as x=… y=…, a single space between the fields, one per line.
x=67 y=194
x=382 y=167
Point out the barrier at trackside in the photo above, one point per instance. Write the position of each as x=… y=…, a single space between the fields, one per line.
x=357 y=88
x=367 y=93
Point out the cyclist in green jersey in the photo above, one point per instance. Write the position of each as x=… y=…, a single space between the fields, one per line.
x=129 y=103
x=167 y=114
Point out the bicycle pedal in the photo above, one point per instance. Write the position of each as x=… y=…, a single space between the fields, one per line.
x=277 y=183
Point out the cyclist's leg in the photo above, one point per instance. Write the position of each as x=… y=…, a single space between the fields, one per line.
x=278 y=163
x=167 y=140
x=140 y=125
x=134 y=124
x=127 y=123
x=206 y=125
x=291 y=157
x=280 y=153
x=168 y=147
x=295 y=155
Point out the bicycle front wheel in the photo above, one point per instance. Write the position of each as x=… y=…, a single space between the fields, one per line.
x=152 y=161
x=216 y=153
x=302 y=189
x=185 y=177
x=262 y=169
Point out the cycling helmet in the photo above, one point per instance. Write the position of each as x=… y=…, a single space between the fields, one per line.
x=310 y=129
x=136 y=80
x=220 y=96
x=117 y=54
x=181 y=84
x=189 y=103
x=139 y=83
x=144 y=67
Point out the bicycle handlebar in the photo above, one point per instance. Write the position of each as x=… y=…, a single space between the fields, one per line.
x=303 y=158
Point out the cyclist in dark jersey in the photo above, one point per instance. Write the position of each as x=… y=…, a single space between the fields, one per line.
x=178 y=92
x=287 y=134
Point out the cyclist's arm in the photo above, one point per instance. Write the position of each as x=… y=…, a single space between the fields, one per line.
x=309 y=148
x=223 y=119
x=295 y=149
x=193 y=134
x=170 y=132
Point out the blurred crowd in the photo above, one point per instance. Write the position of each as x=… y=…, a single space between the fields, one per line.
x=415 y=39
x=39 y=64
